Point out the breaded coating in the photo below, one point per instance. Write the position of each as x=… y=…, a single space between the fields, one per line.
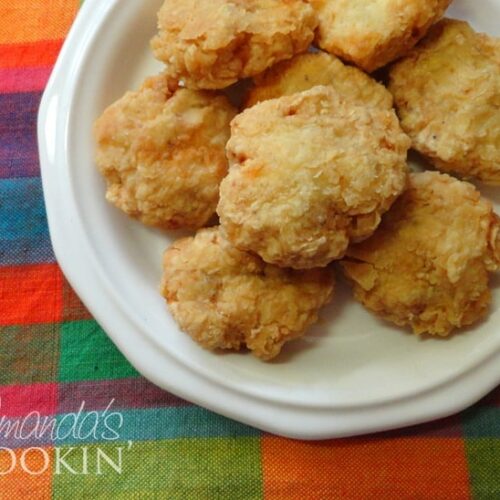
x=427 y=265
x=306 y=71
x=210 y=44
x=228 y=299
x=447 y=93
x=308 y=174
x=162 y=153
x=374 y=33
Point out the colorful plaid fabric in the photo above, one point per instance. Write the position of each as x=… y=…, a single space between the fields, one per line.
x=111 y=434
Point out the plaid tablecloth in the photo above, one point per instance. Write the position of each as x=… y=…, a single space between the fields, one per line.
x=77 y=421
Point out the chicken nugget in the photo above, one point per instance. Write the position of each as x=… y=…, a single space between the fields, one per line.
x=162 y=153
x=427 y=265
x=374 y=33
x=210 y=44
x=447 y=93
x=228 y=299
x=308 y=174
x=306 y=71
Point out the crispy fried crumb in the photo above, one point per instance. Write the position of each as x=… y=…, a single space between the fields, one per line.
x=162 y=153
x=309 y=174
x=228 y=299
x=306 y=71
x=211 y=44
x=427 y=265
x=447 y=93
x=374 y=33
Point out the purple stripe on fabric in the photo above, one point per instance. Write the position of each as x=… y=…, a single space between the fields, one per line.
x=30 y=430
x=24 y=79
x=126 y=393
x=450 y=427
x=492 y=399
x=18 y=144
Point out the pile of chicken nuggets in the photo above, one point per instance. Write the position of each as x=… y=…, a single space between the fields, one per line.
x=309 y=172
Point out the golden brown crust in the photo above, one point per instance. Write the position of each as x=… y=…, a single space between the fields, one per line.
x=162 y=153
x=211 y=44
x=228 y=299
x=427 y=265
x=306 y=71
x=310 y=173
x=447 y=92
x=374 y=33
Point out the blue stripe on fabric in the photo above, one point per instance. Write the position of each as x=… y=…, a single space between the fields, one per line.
x=150 y=424
x=481 y=422
x=24 y=234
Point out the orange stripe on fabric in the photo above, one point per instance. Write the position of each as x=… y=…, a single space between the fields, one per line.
x=19 y=483
x=30 y=294
x=23 y=21
x=25 y=55
x=351 y=469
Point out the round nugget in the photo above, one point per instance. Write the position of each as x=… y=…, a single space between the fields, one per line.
x=374 y=33
x=162 y=153
x=306 y=71
x=227 y=299
x=310 y=173
x=211 y=44
x=447 y=93
x=427 y=265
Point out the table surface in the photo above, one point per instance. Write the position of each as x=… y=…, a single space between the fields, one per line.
x=77 y=421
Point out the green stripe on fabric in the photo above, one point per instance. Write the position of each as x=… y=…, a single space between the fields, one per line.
x=181 y=469
x=484 y=467
x=88 y=354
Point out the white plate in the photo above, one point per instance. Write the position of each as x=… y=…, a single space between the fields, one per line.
x=351 y=375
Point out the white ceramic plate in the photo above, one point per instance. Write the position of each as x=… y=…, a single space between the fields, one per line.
x=352 y=374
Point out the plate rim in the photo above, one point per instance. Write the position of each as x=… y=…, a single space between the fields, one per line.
x=276 y=417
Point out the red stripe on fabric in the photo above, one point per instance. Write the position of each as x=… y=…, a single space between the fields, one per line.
x=24 y=79
x=20 y=400
x=30 y=294
x=450 y=427
x=43 y=53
